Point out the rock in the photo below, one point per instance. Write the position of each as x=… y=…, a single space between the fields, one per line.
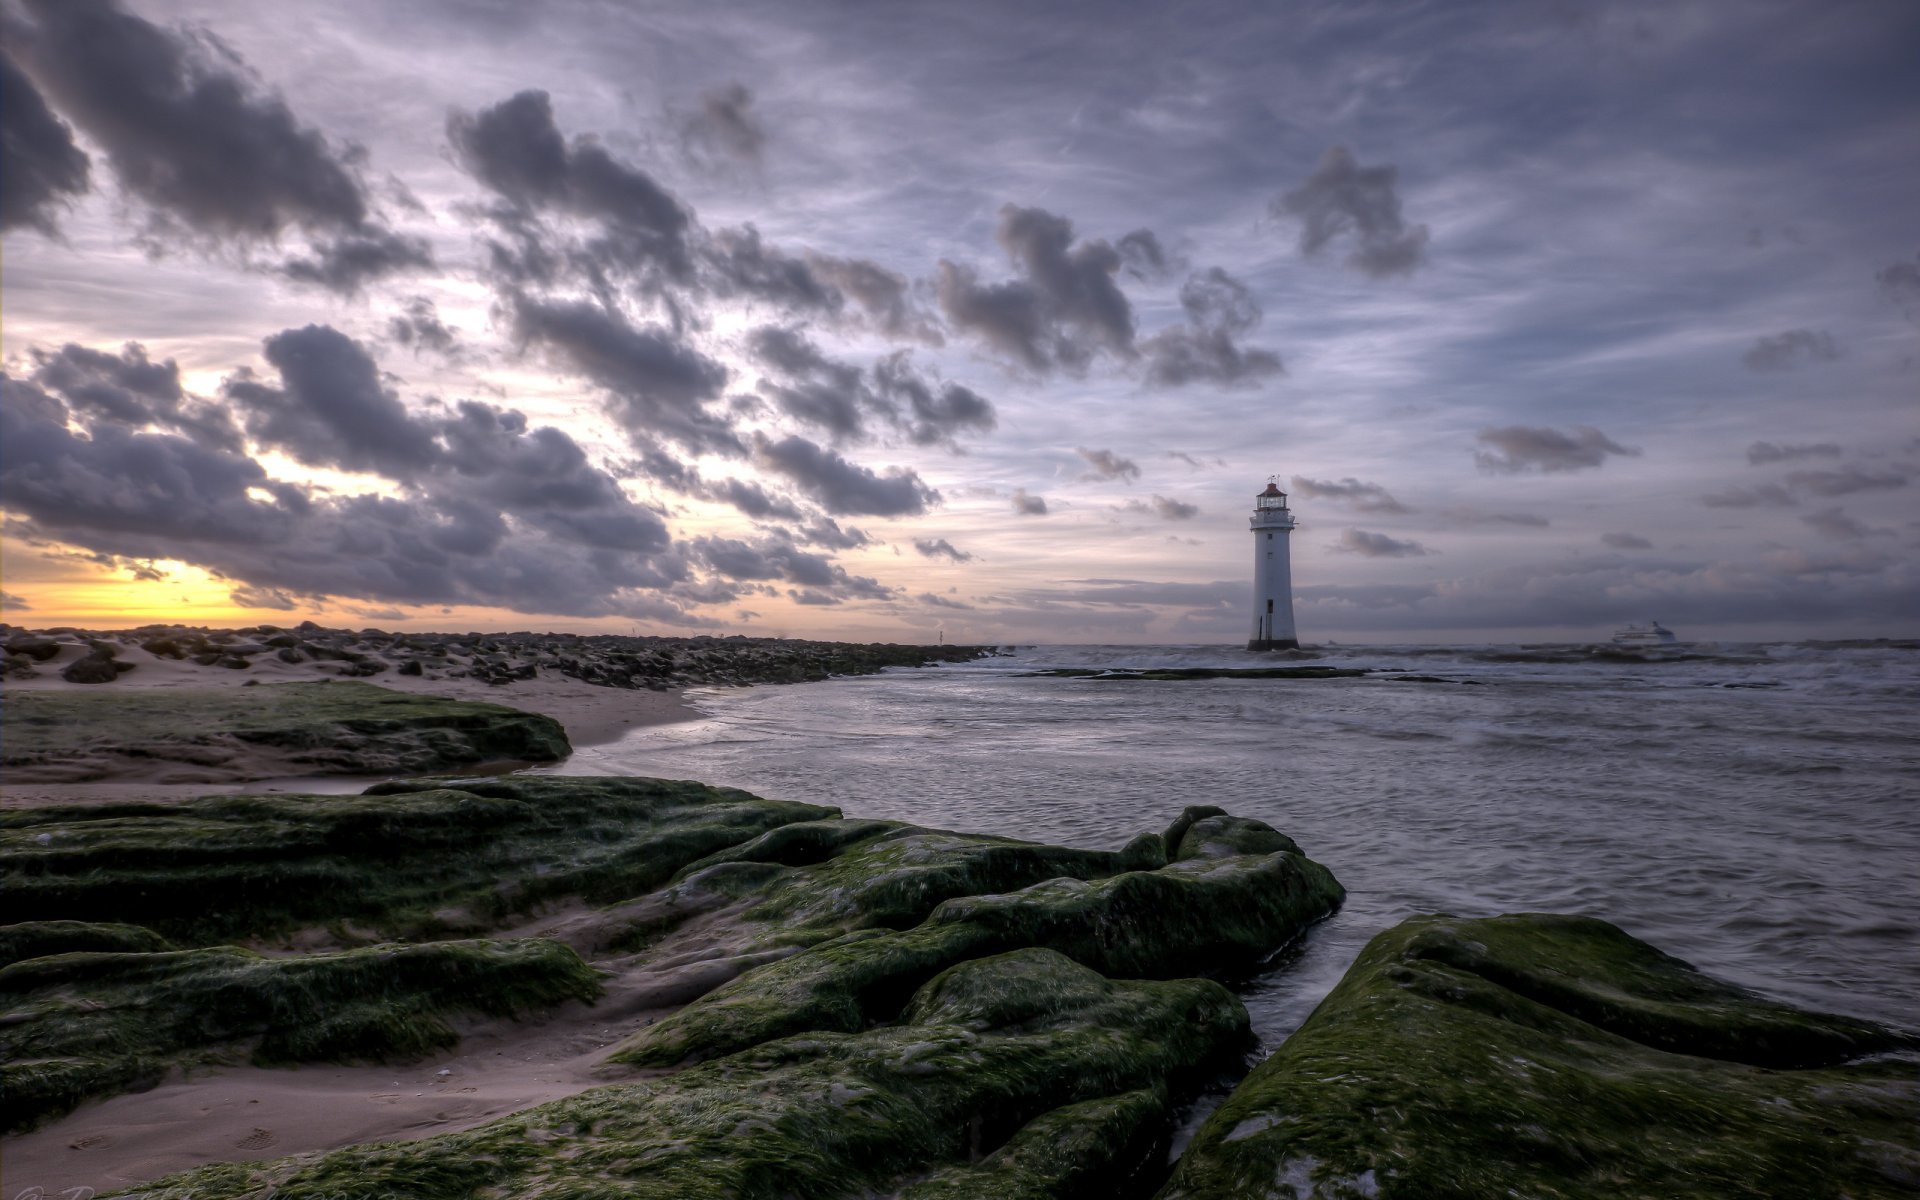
x=1039 y=1103
x=163 y=647
x=37 y=649
x=1540 y=1055
x=20 y=666
x=102 y=1021
x=411 y=667
x=37 y=939
x=98 y=666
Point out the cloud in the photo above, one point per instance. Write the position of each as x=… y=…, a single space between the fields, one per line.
x=1836 y=524
x=931 y=414
x=1767 y=495
x=929 y=598
x=883 y=295
x=44 y=169
x=775 y=559
x=1762 y=453
x=1219 y=308
x=1785 y=351
x=839 y=398
x=1064 y=307
x=841 y=487
x=1901 y=283
x=1378 y=545
x=1361 y=497
x=1517 y=448
x=130 y=389
x=333 y=409
x=1341 y=198
x=657 y=384
x=1164 y=508
x=189 y=133
x=515 y=149
x=419 y=327
x=724 y=128
x=1028 y=505
x=1848 y=480
x=1105 y=464
x=1474 y=516
x=825 y=531
x=1143 y=255
x=1626 y=541
x=257 y=597
x=12 y=603
x=940 y=548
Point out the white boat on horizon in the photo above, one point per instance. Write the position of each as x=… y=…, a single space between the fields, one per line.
x=1650 y=634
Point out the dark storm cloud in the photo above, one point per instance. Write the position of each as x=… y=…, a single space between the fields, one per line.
x=1785 y=351
x=1359 y=496
x=841 y=487
x=1105 y=464
x=195 y=139
x=333 y=409
x=724 y=127
x=419 y=326
x=846 y=402
x=1064 y=307
x=348 y=264
x=1767 y=495
x=517 y=150
x=1516 y=448
x=1762 y=453
x=1341 y=198
x=1027 y=505
x=1848 y=480
x=658 y=384
x=941 y=548
x=751 y=499
x=489 y=511
x=1626 y=541
x=40 y=167
x=132 y=390
x=1219 y=308
x=1836 y=524
x=1378 y=545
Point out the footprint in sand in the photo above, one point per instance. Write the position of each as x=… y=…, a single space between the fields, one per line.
x=90 y=1141
x=259 y=1139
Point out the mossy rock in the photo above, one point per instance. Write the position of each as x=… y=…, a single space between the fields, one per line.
x=334 y=727
x=1553 y=1056
x=1056 y=1097
x=37 y=939
x=1201 y=916
x=225 y=867
x=84 y=1024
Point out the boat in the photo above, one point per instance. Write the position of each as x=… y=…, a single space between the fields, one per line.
x=1650 y=634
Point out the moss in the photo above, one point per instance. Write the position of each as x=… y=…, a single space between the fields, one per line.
x=1201 y=916
x=35 y=939
x=89 y=1023
x=1096 y=1147
x=1557 y=1057
x=224 y=867
x=824 y=1114
x=322 y=728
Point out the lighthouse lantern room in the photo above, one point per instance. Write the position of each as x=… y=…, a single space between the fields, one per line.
x=1272 y=576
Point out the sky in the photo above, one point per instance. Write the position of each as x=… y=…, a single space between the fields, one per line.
x=980 y=321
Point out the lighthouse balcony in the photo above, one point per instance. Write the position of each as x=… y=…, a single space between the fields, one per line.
x=1277 y=518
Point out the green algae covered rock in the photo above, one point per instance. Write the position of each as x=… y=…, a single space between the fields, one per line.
x=408 y=858
x=215 y=735
x=1204 y=915
x=1053 y=1096
x=89 y=1023
x=36 y=939
x=1552 y=1056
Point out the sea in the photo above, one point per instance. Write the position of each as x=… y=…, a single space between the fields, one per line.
x=1751 y=808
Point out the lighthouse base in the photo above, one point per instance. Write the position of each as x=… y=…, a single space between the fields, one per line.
x=1273 y=644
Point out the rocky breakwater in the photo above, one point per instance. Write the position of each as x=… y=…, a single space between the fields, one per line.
x=84 y=656
x=218 y=735
x=1556 y=1056
x=789 y=1003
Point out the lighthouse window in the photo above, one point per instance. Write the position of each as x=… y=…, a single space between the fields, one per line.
x=1269 y=607
x=1269 y=537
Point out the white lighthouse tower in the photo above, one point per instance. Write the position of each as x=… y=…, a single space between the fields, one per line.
x=1272 y=576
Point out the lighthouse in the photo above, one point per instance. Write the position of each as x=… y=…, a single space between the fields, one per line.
x=1272 y=577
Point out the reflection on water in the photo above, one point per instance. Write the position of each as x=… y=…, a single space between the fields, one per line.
x=1751 y=809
